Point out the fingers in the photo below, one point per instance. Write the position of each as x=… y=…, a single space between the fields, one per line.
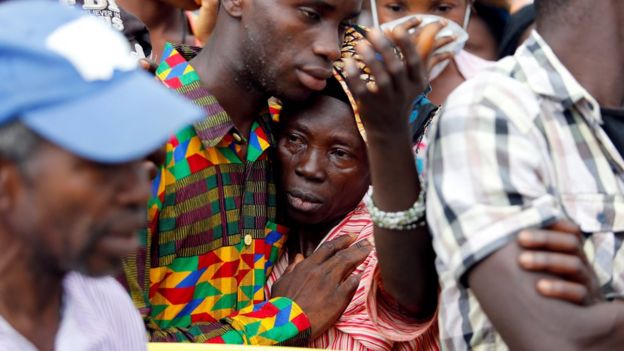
x=426 y=38
x=563 y=242
x=345 y=261
x=437 y=58
x=558 y=289
x=570 y=266
x=384 y=64
x=356 y=85
x=441 y=42
x=298 y=259
x=566 y=227
x=348 y=287
x=413 y=62
x=330 y=248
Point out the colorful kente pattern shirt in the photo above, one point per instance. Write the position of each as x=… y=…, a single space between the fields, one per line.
x=211 y=240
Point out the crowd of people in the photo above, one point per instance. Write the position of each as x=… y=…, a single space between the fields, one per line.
x=331 y=174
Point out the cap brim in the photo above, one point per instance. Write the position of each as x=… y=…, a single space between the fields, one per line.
x=125 y=121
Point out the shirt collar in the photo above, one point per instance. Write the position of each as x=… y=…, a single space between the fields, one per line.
x=548 y=77
x=176 y=72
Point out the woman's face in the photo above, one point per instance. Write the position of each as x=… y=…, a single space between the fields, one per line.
x=324 y=167
x=454 y=10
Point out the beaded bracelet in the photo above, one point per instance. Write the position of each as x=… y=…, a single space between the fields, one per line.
x=409 y=219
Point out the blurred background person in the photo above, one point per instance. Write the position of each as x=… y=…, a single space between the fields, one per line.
x=73 y=186
x=485 y=29
x=517 y=30
x=119 y=19
x=167 y=21
x=454 y=70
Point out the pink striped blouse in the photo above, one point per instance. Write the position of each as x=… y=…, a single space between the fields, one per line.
x=368 y=323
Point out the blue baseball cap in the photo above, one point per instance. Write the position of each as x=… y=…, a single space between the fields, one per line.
x=71 y=79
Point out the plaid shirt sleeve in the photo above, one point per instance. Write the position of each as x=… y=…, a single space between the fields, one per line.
x=486 y=173
x=276 y=321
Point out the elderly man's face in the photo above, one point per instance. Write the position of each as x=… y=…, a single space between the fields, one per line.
x=75 y=214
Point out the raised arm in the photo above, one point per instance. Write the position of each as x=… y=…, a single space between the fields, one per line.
x=406 y=258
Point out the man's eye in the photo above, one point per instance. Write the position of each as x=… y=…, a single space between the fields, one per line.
x=395 y=7
x=310 y=14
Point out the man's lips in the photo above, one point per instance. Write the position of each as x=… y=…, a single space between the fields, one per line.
x=303 y=202
x=314 y=78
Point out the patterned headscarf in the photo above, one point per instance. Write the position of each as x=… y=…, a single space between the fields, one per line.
x=353 y=36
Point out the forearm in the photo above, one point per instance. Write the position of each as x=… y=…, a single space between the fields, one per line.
x=406 y=257
x=528 y=321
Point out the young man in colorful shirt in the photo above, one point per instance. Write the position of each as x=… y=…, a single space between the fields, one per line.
x=212 y=237
x=521 y=147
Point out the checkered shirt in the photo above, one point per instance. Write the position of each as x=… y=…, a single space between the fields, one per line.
x=211 y=240
x=519 y=146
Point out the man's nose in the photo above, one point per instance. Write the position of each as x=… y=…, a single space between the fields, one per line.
x=328 y=44
x=135 y=185
x=311 y=165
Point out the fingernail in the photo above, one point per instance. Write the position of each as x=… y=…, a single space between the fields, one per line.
x=524 y=236
x=544 y=285
x=526 y=259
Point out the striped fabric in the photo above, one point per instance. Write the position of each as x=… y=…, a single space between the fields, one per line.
x=368 y=323
x=97 y=316
x=211 y=241
x=516 y=148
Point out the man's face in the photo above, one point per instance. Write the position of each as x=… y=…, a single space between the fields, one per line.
x=454 y=10
x=324 y=167
x=76 y=214
x=289 y=45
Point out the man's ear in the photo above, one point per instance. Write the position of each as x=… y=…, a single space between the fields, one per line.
x=234 y=7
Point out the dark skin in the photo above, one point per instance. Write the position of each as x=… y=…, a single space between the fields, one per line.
x=559 y=252
x=525 y=319
x=325 y=169
x=59 y=213
x=163 y=20
x=253 y=54
x=324 y=174
x=406 y=257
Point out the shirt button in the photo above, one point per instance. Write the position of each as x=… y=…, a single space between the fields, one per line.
x=237 y=137
x=248 y=239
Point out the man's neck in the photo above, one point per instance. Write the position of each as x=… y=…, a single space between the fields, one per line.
x=30 y=299
x=239 y=99
x=591 y=51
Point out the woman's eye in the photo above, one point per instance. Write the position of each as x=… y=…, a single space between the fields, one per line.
x=444 y=8
x=293 y=138
x=341 y=153
x=395 y=7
